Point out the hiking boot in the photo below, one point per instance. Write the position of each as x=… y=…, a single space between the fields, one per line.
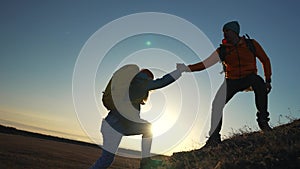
x=213 y=141
x=148 y=163
x=262 y=120
x=264 y=126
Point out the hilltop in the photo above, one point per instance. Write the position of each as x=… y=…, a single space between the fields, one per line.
x=279 y=149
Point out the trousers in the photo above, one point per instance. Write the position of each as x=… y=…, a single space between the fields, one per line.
x=113 y=129
x=228 y=89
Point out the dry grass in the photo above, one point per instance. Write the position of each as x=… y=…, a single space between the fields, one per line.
x=279 y=149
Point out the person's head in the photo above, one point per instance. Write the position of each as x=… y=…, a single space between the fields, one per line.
x=233 y=25
x=231 y=31
x=148 y=73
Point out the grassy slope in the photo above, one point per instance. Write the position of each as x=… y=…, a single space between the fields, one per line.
x=279 y=149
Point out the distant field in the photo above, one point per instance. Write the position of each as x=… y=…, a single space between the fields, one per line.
x=25 y=152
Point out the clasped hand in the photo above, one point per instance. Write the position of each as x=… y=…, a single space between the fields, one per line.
x=182 y=67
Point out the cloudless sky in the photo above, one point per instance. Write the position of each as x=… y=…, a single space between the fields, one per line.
x=41 y=40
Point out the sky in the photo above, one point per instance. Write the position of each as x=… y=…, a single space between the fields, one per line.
x=42 y=43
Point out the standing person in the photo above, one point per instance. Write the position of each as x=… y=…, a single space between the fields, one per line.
x=238 y=55
x=126 y=121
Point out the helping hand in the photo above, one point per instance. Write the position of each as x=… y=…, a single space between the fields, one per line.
x=182 y=67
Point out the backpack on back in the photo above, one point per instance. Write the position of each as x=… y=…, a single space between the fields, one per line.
x=117 y=90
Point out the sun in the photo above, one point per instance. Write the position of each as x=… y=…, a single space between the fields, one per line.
x=160 y=112
x=163 y=123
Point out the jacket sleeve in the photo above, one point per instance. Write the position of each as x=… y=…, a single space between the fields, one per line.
x=208 y=62
x=264 y=59
x=164 y=81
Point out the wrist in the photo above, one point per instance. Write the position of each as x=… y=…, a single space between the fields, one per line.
x=190 y=68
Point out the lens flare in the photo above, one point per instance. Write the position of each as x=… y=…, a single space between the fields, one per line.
x=148 y=43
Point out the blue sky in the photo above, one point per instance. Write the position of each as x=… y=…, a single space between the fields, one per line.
x=41 y=40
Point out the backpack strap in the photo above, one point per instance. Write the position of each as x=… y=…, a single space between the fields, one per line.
x=250 y=45
x=222 y=55
x=222 y=52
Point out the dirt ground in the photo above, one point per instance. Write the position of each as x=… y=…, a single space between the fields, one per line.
x=24 y=152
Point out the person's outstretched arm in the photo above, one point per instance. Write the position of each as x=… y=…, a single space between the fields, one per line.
x=208 y=62
x=164 y=81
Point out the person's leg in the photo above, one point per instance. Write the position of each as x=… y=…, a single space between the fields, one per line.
x=146 y=161
x=111 y=141
x=223 y=95
x=143 y=128
x=217 y=111
x=261 y=102
x=146 y=145
x=104 y=161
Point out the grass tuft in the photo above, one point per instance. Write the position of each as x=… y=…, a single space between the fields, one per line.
x=277 y=149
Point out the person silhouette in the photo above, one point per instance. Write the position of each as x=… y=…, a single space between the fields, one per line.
x=238 y=55
x=125 y=120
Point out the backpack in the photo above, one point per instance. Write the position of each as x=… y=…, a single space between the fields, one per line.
x=222 y=49
x=117 y=89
